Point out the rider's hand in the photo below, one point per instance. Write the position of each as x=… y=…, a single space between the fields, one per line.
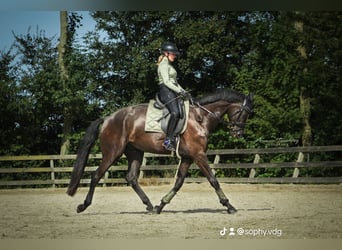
x=184 y=94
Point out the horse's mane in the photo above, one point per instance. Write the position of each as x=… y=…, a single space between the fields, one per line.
x=228 y=95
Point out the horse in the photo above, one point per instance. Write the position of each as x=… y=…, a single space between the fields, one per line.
x=123 y=133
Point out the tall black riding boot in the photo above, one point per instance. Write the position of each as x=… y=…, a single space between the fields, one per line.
x=170 y=142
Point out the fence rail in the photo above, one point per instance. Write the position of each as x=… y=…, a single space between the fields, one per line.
x=52 y=168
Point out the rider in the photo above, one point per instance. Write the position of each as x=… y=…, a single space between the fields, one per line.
x=170 y=90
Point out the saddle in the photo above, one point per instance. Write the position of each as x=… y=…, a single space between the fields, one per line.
x=158 y=116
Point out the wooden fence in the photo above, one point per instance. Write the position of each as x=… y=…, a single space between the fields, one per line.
x=58 y=168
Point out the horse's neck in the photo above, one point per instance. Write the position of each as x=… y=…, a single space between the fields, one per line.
x=217 y=109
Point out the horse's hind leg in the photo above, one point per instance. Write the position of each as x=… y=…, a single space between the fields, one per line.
x=96 y=177
x=182 y=170
x=135 y=158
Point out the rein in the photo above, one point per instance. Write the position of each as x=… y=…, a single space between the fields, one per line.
x=208 y=111
x=243 y=107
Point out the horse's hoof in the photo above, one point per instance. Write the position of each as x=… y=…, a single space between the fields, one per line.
x=80 y=208
x=150 y=209
x=157 y=209
x=231 y=210
x=153 y=210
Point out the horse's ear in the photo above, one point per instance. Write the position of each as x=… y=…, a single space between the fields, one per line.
x=250 y=96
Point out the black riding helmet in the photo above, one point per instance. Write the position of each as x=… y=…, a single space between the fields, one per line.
x=170 y=48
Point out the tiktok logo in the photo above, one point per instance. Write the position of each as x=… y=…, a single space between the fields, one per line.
x=224 y=231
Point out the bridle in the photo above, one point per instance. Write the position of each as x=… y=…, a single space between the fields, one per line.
x=238 y=113
x=232 y=124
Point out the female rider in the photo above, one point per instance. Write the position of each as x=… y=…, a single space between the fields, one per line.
x=170 y=90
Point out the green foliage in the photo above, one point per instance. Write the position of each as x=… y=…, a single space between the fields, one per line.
x=249 y=51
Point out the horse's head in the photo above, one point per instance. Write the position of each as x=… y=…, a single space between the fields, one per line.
x=236 y=105
x=238 y=114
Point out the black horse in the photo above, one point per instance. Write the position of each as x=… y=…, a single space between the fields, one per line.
x=123 y=132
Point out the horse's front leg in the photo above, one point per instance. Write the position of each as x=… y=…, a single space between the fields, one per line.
x=202 y=163
x=182 y=170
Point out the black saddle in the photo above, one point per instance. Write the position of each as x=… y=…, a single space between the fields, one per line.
x=160 y=105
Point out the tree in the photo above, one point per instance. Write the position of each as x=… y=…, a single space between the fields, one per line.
x=66 y=56
x=64 y=77
x=304 y=96
x=9 y=99
x=42 y=99
x=248 y=51
x=211 y=43
x=36 y=78
x=322 y=39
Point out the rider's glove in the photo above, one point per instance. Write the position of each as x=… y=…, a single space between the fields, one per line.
x=184 y=94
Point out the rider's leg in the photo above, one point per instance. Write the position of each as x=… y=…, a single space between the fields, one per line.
x=171 y=141
x=169 y=97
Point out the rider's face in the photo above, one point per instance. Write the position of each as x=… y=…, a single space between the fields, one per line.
x=171 y=57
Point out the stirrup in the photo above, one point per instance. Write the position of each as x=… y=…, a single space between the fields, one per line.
x=169 y=145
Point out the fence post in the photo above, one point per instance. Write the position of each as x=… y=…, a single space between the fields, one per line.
x=255 y=161
x=296 y=170
x=52 y=166
x=105 y=178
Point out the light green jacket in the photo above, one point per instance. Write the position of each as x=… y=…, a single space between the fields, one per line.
x=168 y=76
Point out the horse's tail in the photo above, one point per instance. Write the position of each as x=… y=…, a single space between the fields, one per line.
x=82 y=155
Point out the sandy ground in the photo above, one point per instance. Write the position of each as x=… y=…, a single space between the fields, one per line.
x=265 y=211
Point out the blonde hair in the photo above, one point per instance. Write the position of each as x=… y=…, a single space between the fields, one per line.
x=160 y=58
